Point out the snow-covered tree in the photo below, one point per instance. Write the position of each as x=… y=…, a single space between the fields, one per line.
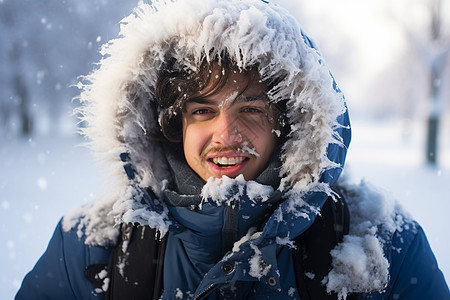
x=45 y=45
x=427 y=29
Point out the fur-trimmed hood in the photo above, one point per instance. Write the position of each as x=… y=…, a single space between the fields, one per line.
x=121 y=112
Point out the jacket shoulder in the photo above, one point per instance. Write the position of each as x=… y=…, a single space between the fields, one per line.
x=414 y=271
x=395 y=245
x=59 y=273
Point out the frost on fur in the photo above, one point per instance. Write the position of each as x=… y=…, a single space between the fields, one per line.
x=92 y=222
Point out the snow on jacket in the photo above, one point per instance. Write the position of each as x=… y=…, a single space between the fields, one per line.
x=384 y=256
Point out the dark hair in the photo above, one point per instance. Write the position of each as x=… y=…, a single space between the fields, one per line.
x=176 y=84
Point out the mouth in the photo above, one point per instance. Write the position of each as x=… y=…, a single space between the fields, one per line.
x=227 y=162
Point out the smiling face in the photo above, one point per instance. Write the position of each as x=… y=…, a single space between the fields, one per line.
x=228 y=132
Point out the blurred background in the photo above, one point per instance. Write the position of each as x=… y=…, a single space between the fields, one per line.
x=390 y=58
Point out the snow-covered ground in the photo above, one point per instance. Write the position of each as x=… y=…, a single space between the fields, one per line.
x=42 y=178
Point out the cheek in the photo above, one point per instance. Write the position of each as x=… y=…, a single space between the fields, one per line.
x=265 y=144
x=192 y=141
x=187 y=145
x=268 y=143
x=265 y=135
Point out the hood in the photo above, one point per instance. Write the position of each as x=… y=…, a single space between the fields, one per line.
x=121 y=113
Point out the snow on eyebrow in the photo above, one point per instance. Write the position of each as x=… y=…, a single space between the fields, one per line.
x=230 y=99
x=243 y=98
x=200 y=100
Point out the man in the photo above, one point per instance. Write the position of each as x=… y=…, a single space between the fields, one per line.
x=231 y=135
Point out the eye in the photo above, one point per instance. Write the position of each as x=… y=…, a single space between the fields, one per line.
x=252 y=110
x=201 y=111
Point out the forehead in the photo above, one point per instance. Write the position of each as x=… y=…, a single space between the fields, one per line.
x=234 y=86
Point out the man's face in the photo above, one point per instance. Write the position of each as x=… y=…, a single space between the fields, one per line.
x=228 y=132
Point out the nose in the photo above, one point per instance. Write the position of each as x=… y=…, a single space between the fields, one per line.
x=227 y=129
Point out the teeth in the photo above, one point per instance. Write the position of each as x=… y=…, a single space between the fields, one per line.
x=227 y=160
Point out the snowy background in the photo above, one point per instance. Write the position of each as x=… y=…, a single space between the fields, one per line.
x=381 y=54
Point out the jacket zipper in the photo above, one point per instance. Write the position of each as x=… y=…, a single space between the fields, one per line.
x=229 y=230
x=209 y=288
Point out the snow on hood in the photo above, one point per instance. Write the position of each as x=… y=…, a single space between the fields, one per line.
x=121 y=112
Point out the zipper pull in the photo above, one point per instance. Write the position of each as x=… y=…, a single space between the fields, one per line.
x=205 y=292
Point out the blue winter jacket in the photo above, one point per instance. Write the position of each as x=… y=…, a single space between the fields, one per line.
x=59 y=273
x=123 y=120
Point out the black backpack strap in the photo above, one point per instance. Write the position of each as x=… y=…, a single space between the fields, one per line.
x=135 y=265
x=96 y=274
x=312 y=259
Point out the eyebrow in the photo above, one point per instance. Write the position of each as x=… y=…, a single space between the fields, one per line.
x=238 y=99
x=260 y=97
x=200 y=101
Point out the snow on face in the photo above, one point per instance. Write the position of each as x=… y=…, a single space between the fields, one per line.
x=228 y=132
